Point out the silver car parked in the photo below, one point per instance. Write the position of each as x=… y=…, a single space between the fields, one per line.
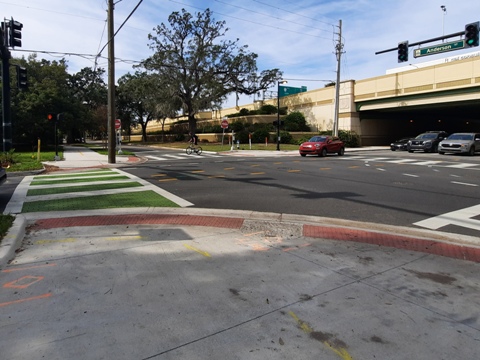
x=468 y=143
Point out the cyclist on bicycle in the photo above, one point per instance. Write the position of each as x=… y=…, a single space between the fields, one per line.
x=193 y=139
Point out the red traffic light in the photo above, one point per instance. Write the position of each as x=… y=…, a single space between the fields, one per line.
x=51 y=117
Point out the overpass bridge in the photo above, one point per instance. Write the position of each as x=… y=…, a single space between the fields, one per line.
x=444 y=96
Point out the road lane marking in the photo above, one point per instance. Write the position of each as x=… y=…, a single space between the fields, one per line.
x=257 y=173
x=462 y=218
x=411 y=175
x=293 y=171
x=201 y=252
x=462 y=183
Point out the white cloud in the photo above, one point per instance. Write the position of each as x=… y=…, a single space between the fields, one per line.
x=296 y=37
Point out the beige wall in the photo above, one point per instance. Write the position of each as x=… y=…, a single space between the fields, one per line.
x=400 y=89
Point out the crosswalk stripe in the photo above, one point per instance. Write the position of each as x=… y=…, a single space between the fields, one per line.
x=438 y=163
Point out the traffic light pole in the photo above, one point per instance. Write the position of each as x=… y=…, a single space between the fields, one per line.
x=6 y=120
x=424 y=42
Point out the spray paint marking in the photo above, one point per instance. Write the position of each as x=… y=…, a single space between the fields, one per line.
x=340 y=350
x=23 y=282
x=44 y=296
x=28 y=268
x=204 y=253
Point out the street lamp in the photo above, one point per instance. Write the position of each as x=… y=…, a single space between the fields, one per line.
x=278 y=112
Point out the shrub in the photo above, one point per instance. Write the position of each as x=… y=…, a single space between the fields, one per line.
x=295 y=121
x=349 y=137
x=285 y=137
x=267 y=110
x=8 y=158
x=237 y=126
x=259 y=136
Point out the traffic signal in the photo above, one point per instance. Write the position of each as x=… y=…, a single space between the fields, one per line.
x=22 y=77
x=402 y=51
x=52 y=118
x=471 y=34
x=15 y=33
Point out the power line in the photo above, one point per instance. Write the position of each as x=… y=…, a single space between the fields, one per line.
x=291 y=12
x=253 y=22
x=270 y=16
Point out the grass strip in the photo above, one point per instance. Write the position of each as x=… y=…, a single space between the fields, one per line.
x=6 y=221
x=70 y=175
x=72 y=181
x=146 y=198
x=81 y=188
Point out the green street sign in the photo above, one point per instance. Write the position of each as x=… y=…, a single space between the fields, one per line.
x=289 y=90
x=432 y=50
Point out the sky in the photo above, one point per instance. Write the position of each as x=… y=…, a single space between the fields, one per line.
x=296 y=36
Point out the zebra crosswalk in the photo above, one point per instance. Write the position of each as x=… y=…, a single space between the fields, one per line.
x=419 y=162
x=181 y=156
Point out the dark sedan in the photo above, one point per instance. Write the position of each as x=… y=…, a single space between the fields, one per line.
x=400 y=144
x=322 y=145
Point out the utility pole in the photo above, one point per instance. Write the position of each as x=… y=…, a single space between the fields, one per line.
x=111 y=87
x=338 y=53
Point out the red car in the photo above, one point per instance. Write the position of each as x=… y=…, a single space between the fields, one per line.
x=322 y=145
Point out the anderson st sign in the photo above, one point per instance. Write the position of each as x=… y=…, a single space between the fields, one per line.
x=432 y=50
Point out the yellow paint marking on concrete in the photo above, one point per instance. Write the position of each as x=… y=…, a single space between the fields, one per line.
x=340 y=351
x=278 y=163
x=197 y=171
x=68 y=240
x=127 y=237
x=159 y=175
x=293 y=171
x=257 y=173
x=169 y=179
x=204 y=253
x=230 y=168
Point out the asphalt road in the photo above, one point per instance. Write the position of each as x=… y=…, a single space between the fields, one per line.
x=394 y=188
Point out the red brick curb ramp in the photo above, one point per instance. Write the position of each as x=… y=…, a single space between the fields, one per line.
x=429 y=246
x=396 y=241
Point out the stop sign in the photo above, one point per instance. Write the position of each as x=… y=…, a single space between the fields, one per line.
x=224 y=124
x=118 y=124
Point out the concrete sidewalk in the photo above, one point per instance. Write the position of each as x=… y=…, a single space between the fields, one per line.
x=75 y=157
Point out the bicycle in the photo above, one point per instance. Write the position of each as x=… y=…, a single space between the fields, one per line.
x=192 y=148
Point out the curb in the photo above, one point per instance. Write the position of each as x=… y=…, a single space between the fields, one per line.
x=312 y=227
x=12 y=241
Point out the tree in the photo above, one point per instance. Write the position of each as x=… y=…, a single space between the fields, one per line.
x=142 y=98
x=201 y=69
x=47 y=93
x=89 y=90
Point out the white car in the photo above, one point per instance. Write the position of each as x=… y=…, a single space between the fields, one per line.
x=468 y=143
